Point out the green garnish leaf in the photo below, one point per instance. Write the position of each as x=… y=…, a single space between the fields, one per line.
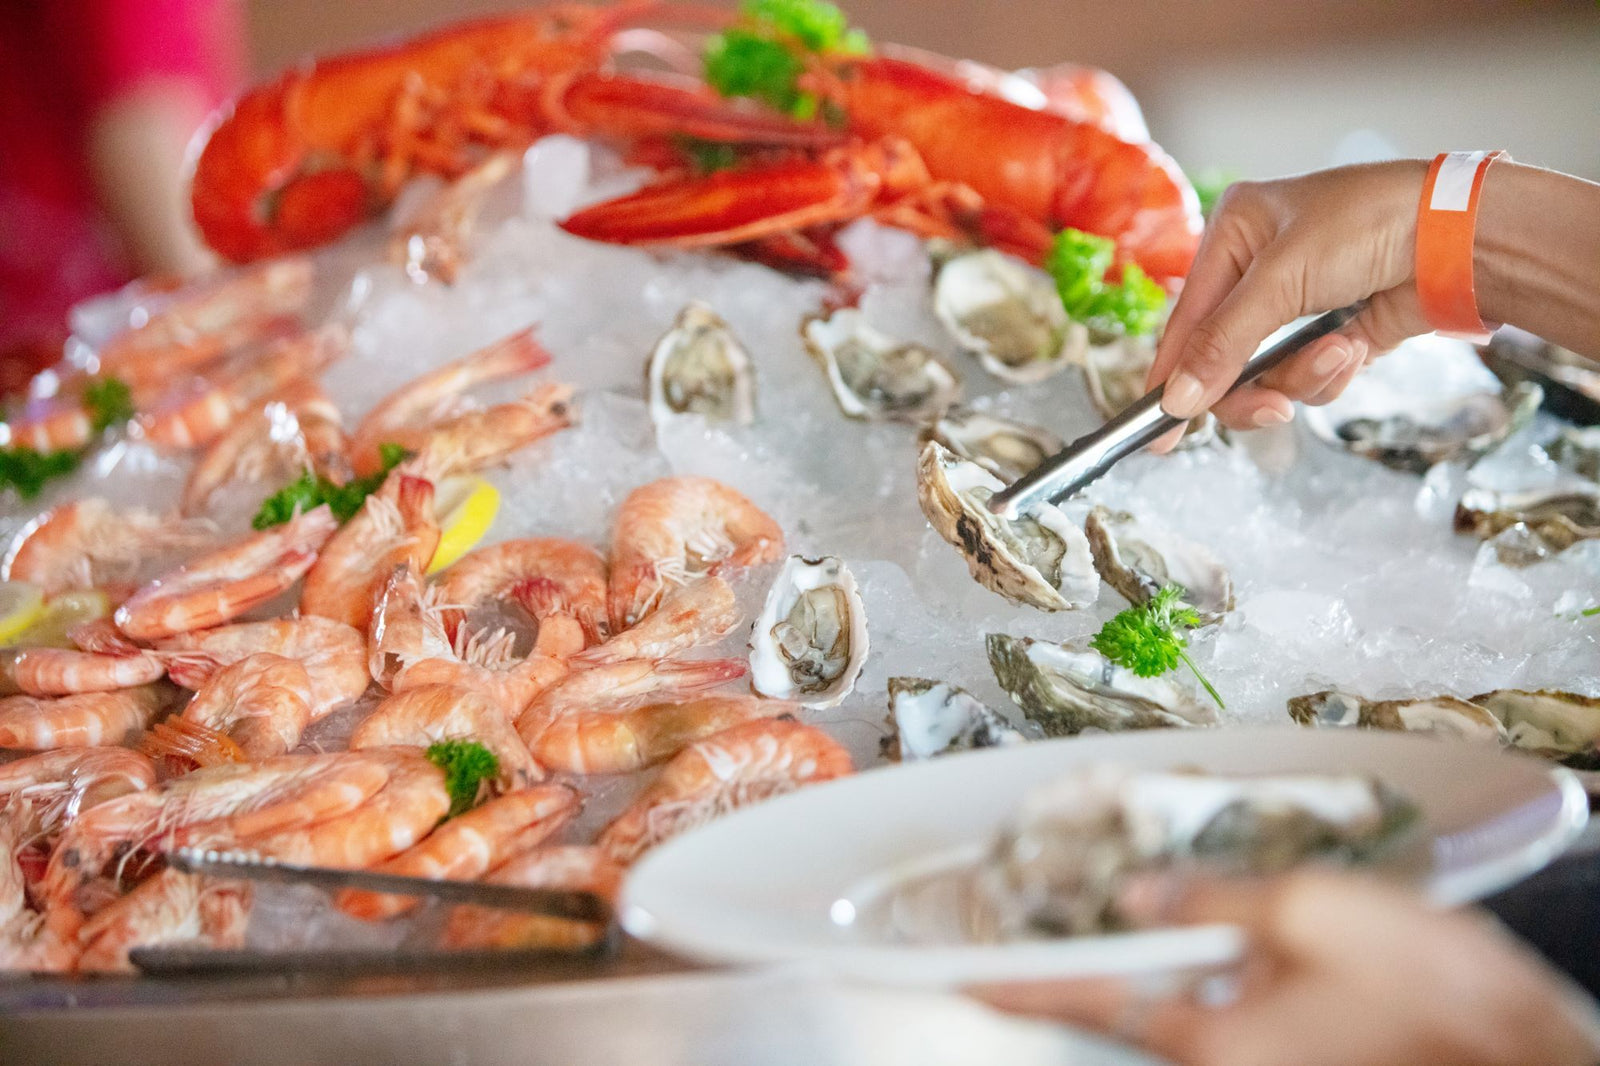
x=27 y=470
x=740 y=63
x=1590 y=612
x=311 y=490
x=392 y=455
x=1149 y=638
x=466 y=765
x=109 y=401
x=1079 y=261
x=764 y=56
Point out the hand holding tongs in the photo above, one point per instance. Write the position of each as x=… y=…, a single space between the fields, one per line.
x=1088 y=458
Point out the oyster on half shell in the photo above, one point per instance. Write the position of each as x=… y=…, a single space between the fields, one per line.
x=1009 y=315
x=874 y=376
x=935 y=718
x=1563 y=726
x=1561 y=515
x=810 y=640
x=1004 y=448
x=1138 y=559
x=1041 y=558
x=1065 y=691
x=1444 y=716
x=1407 y=434
x=699 y=367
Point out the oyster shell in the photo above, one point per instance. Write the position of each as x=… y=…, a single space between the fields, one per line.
x=1404 y=434
x=1563 y=726
x=1577 y=448
x=1059 y=868
x=699 y=367
x=810 y=640
x=1066 y=691
x=1004 y=448
x=1009 y=315
x=1443 y=715
x=1115 y=374
x=872 y=375
x=1041 y=559
x=1561 y=515
x=935 y=718
x=1138 y=559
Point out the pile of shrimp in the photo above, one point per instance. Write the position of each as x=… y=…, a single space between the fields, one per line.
x=180 y=719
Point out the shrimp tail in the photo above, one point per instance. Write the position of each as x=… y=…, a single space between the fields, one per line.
x=179 y=738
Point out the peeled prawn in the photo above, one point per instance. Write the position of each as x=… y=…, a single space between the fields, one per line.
x=550 y=579
x=65 y=671
x=332 y=653
x=572 y=868
x=464 y=847
x=79 y=721
x=428 y=714
x=245 y=712
x=396 y=525
x=88 y=543
x=673 y=529
x=737 y=767
x=699 y=613
x=170 y=907
x=226 y=583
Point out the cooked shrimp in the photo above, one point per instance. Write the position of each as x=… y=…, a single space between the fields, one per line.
x=51 y=423
x=700 y=612
x=634 y=683
x=737 y=767
x=464 y=847
x=425 y=400
x=26 y=942
x=296 y=428
x=410 y=804
x=548 y=578
x=83 y=720
x=603 y=741
x=226 y=583
x=407 y=625
x=245 y=712
x=333 y=654
x=169 y=907
x=59 y=785
x=673 y=529
x=88 y=543
x=432 y=241
x=578 y=869
x=476 y=440
x=196 y=412
x=64 y=671
x=395 y=526
x=428 y=714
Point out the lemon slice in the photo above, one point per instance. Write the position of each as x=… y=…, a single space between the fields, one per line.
x=468 y=506
x=60 y=614
x=21 y=605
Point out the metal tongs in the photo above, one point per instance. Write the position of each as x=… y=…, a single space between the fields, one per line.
x=1087 y=459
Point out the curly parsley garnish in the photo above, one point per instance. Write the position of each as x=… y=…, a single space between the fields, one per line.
x=1079 y=261
x=763 y=56
x=311 y=490
x=466 y=765
x=1148 y=638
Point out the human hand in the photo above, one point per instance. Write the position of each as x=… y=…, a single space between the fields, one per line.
x=1340 y=970
x=1276 y=250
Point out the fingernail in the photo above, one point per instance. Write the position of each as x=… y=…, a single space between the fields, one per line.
x=1330 y=359
x=1182 y=396
x=1272 y=416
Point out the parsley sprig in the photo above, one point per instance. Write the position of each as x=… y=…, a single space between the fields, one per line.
x=1149 y=638
x=466 y=765
x=311 y=490
x=1079 y=261
x=27 y=470
x=764 y=55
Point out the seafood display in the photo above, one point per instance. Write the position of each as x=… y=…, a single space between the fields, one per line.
x=1402 y=433
x=872 y=376
x=810 y=639
x=935 y=718
x=699 y=367
x=1066 y=691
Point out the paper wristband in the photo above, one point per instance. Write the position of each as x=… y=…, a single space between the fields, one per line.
x=1447 y=219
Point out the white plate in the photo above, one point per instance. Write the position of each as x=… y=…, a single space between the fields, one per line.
x=794 y=880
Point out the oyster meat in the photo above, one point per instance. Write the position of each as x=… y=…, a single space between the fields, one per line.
x=1004 y=448
x=1444 y=716
x=1065 y=691
x=1404 y=434
x=1009 y=315
x=810 y=641
x=935 y=718
x=1041 y=558
x=1115 y=374
x=1059 y=868
x=874 y=376
x=1562 y=726
x=1560 y=515
x=1138 y=559
x=699 y=367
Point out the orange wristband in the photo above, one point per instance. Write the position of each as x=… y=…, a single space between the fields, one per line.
x=1447 y=219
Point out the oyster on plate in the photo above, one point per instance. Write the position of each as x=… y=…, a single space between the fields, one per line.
x=1115 y=374
x=1138 y=559
x=1064 y=690
x=935 y=718
x=1408 y=433
x=1009 y=315
x=1442 y=715
x=1041 y=558
x=1562 y=726
x=810 y=640
x=872 y=375
x=1059 y=868
x=1004 y=448
x=699 y=367
x=1560 y=515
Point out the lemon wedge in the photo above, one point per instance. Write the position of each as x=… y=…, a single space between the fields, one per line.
x=21 y=605
x=62 y=612
x=467 y=506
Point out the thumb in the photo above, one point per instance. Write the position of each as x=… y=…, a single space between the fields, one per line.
x=1390 y=317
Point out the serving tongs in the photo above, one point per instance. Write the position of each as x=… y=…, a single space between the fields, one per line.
x=1088 y=458
x=554 y=903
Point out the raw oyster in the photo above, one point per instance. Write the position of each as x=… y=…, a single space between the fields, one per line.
x=874 y=376
x=935 y=718
x=1061 y=865
x=1561 y=515
x=1563 y=726
x=1577 y=448
x=1009 y=315
x=1406 y=435
x=1115 y=374
x=1041 y=559
x=810 y=641
x=1066 y=691
x=1005 y=448
x=1137 y=560
x=699 y=367
x=1443 y=715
